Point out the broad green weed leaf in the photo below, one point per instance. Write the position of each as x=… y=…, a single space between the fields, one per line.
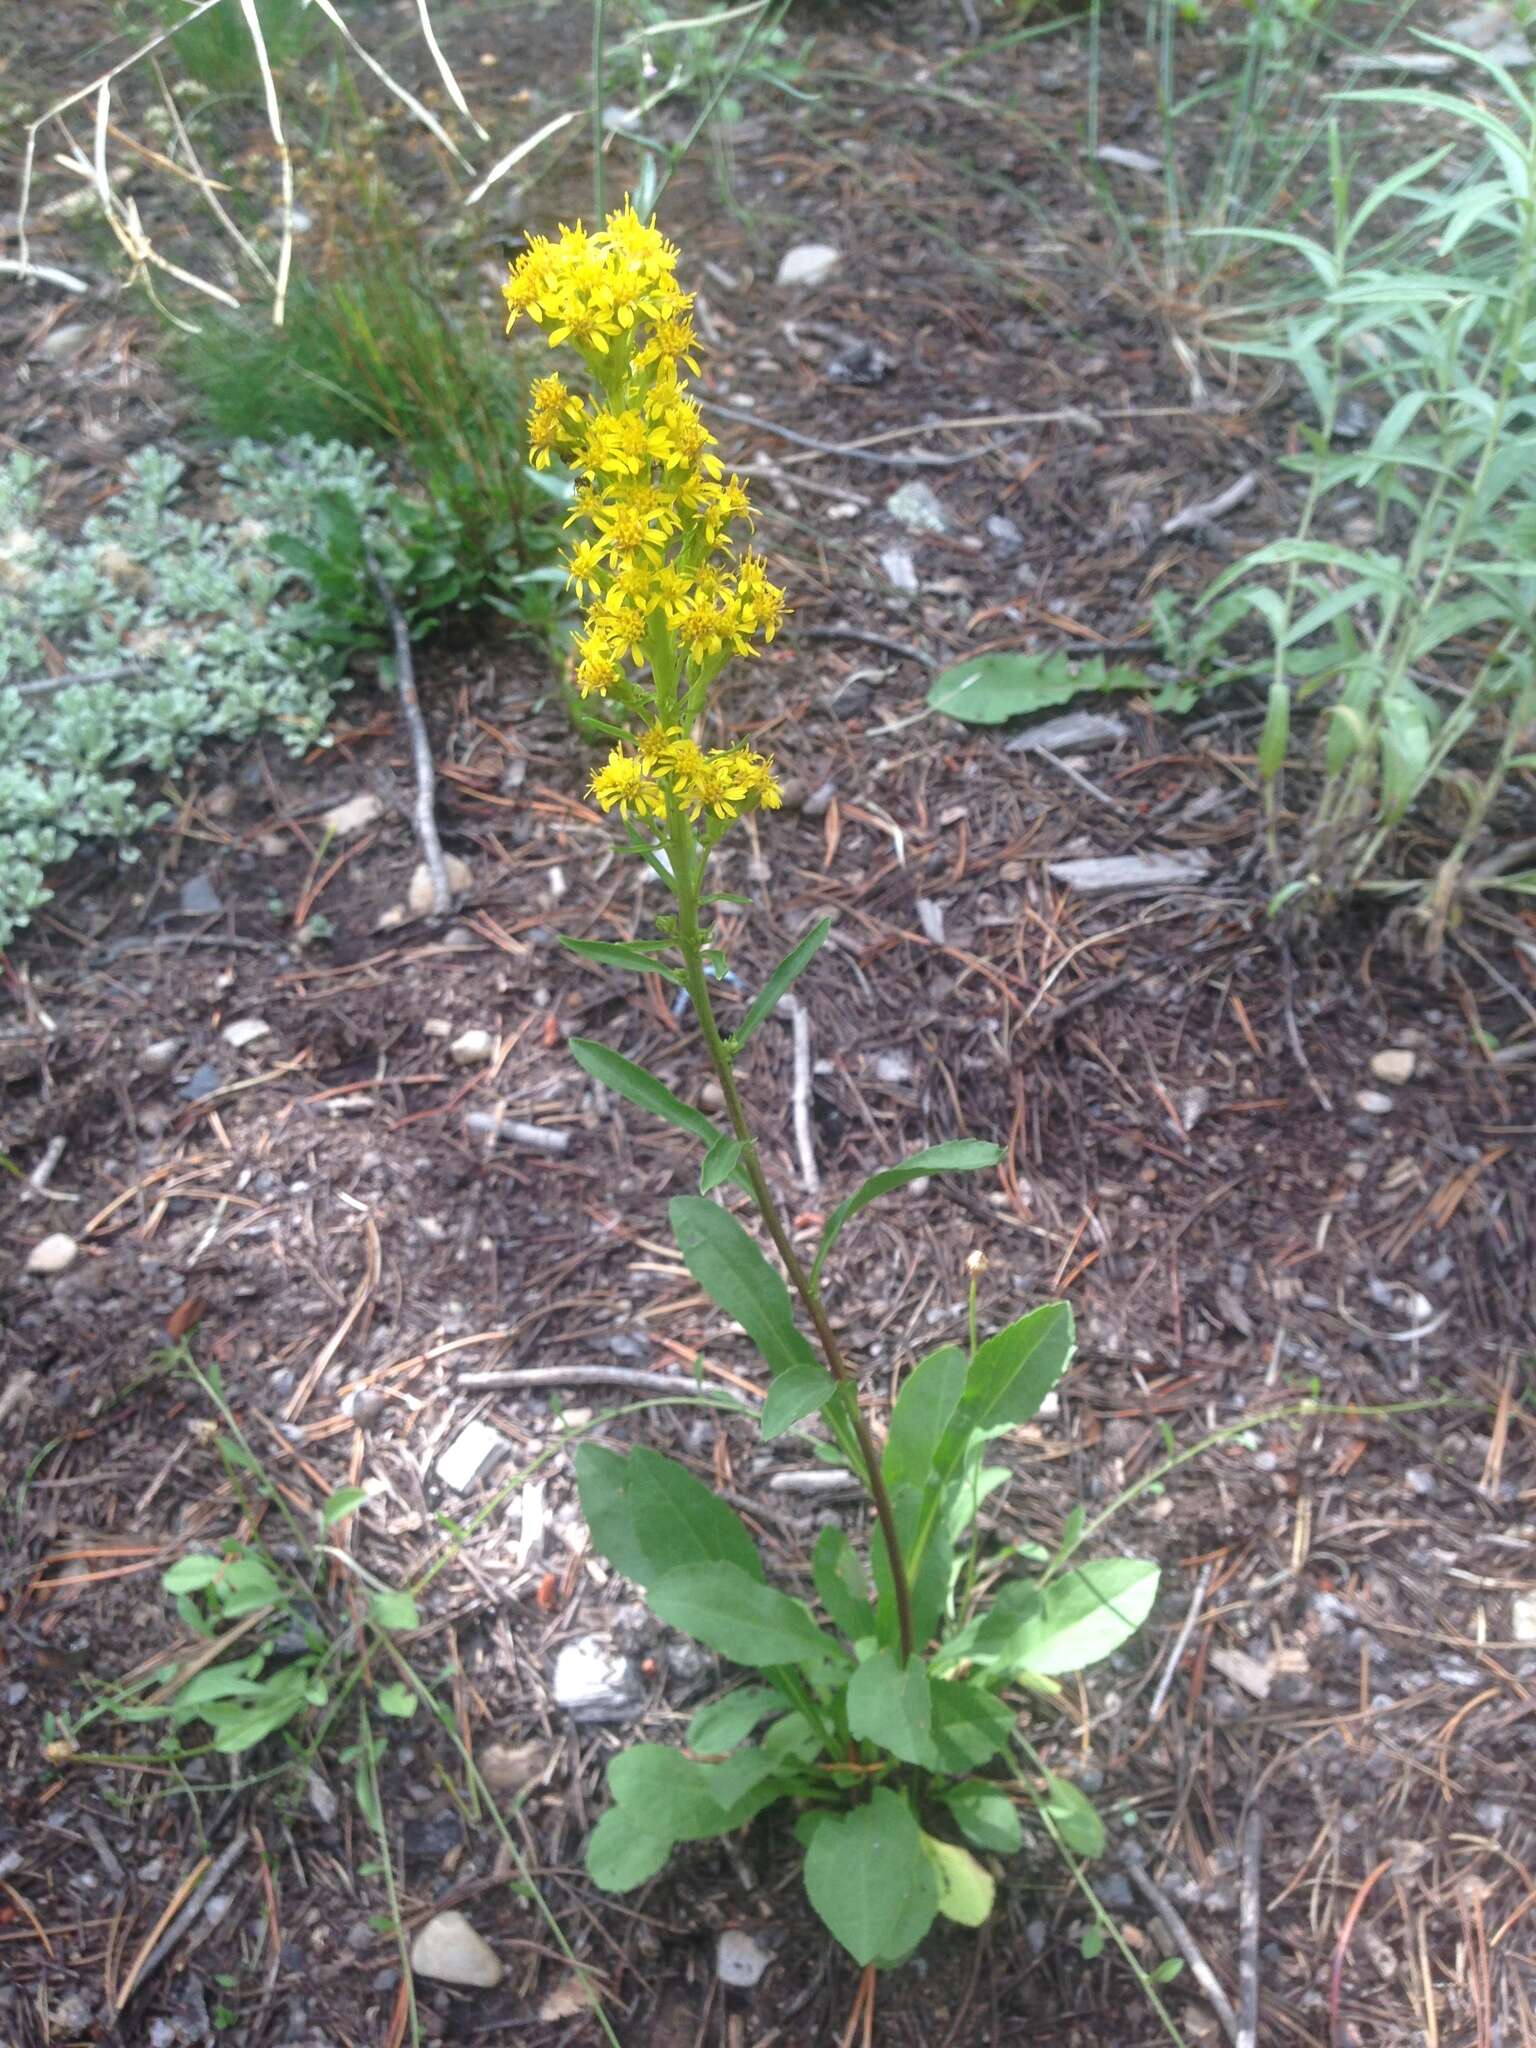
x=723 y=1724
x=343 y=1502
x=986 y=1817
x=725 y=1260
x=966 y=1891
x=991 y=688
x=393 y=1611
x=1083 y=1618
x=672 y=1795
x=783 y=978
x=958 y=1155
x=191 y=1574
x=795 y=1394
x=1075 y=1819
x=720 y=1163
x=621 y=1854
x=928 y=1585
x=722 y=1606
x=921 y=1415
x=397 y=1700
x=648 y=1516
x=842 y=1585
x=889 y=1704
x=1010 y=1377
x=868 y=1878
x=970 y=1726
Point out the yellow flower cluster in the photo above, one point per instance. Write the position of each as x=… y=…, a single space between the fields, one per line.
x=669 y=598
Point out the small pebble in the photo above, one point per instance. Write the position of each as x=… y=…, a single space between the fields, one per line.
x=1522 y=1617
x=472 y=1048
x=355 y=815
x=1374 y=1103
x=594 y=1682
x=245 y=1031
x=741 y=1959
x=1394 y=1066
x=199 y=898
x=449 y=1950
x=53 y=1254
x=475 y=1447
x=420 y=896
x=160 y=1057
x=808 y=263
x=509 y=1767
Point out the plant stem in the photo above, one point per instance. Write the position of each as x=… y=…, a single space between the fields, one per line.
x=687 y=872
x=599 y=198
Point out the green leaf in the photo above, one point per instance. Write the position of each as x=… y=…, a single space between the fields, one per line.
x=991 y=688
x=191 y=1574
x=634 y=956
x=841 y=1583
x=921 y=1415
x=958 y=1155
x=621 y=1854
x=672 y=1795
x=1276 y=735
x=986 y=1817
x=1167 y=1970
x=1092 y=1945
x=635 y=1085
x=929 y=1585
x=720 y=1163
x=725 y=1260
x=247 y=1585
x=795 y=1394
x=1073 y=1816
x=648 y=1516
x=396 y=1700
x=724 y=1723
x=970 y=1726
x=723 y=1606
x=889 y=1704
x=966 y=1891
x=1083 y=1617
x=338 y=1505
x=868 y=1878
x=393 y=1611
x=1010 y=1377
x=783 y=978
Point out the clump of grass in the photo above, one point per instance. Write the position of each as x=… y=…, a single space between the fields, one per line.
x=216 y=49
x=373 y=352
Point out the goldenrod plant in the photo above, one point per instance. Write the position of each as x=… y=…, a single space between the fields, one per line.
x=889 y=1718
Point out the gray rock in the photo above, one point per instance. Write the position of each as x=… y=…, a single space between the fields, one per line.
x=203 y=1080
x=199 y=898
x=1000 y=528
x=1494 y=30
x=160 y=1057
x=918 y=509
x=476 y=1446
x=808 y=263
x=595 y=1682
x=245 y=1031
x=1072 y=729
x=449 y=1950
x=1373 y=1102
x=741 y=1959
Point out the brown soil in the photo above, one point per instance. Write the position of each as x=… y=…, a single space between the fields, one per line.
x=1340 y=1295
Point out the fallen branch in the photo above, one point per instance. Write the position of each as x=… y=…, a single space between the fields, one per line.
x=425 y=815
x=183 y=1922
x=805 y=1145
x=1197 y=1601
x=589 y=1376
x=1248 y=1933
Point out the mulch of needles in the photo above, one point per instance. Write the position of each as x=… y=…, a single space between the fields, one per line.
x=1322 y=1736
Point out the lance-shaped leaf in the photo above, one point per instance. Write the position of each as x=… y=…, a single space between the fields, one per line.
x=725 y=1260
x=782 y=979
x=958 y=1155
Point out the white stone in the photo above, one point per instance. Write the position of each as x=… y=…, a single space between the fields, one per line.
x=160 y=1057
x=899 y=569
x=1072 y=729
x=245 y=1031
x=449 y=1950
x=1522 y=1617
x=436 y=1027
x=1373 y=1102
x=893 y=1068
x=1394 y=1066
x=808 y=263
x=475 y=1446
x=917 y=507
x=55 y=1253
x=419 y=895
x=741 y=1958
x=355 y=815
x=596 y=1682
x=472 y=1048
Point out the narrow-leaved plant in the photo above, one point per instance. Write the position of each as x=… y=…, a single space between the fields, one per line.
x=883 y=1714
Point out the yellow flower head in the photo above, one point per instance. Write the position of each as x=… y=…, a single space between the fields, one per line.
x=655 y=557
x=623 y=783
